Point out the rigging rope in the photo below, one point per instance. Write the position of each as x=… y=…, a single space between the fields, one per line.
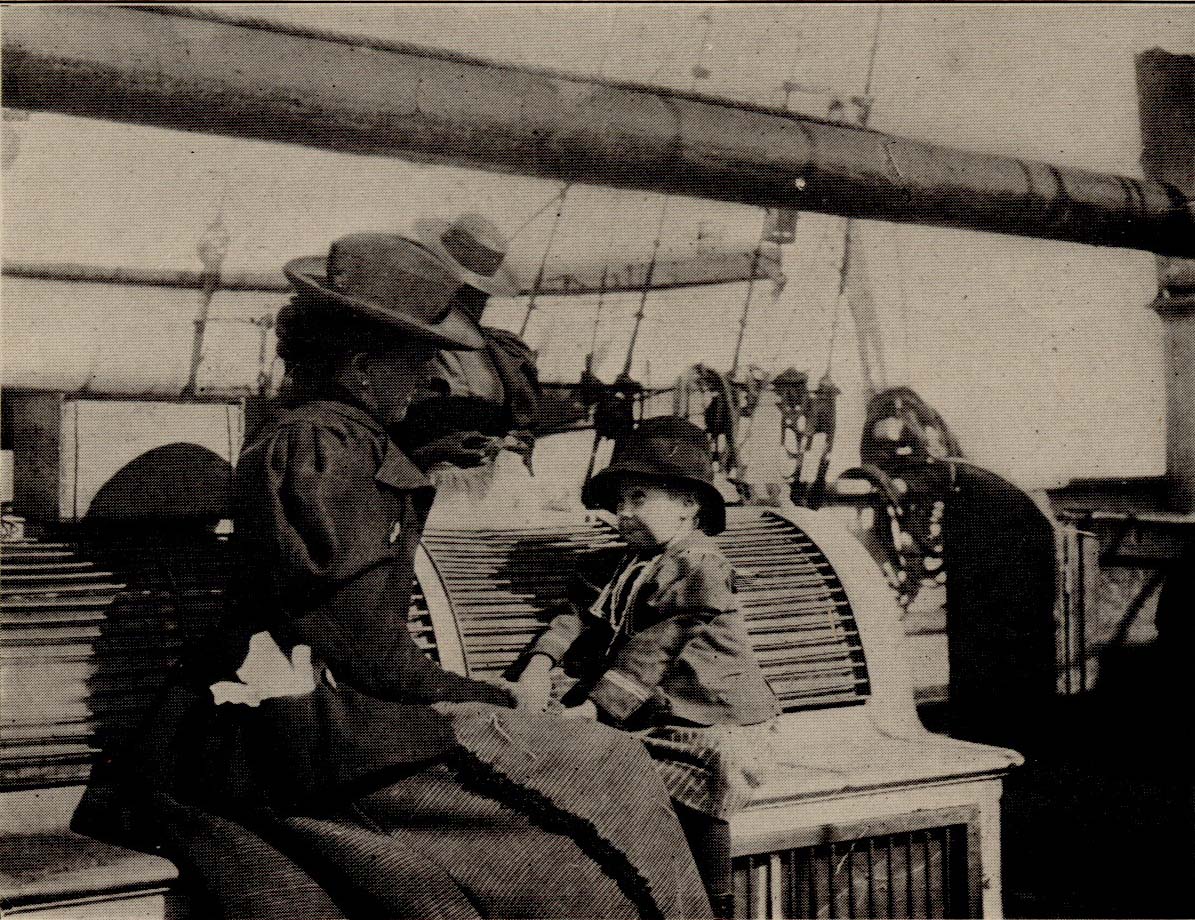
x=738 y=345
x=699 y=72
x=543 y=264
x=782 y=342
x=597 y=313
x=844 y=269
x=647 y=279
x=591 y=390
x=547 y=204
x=612 y=212
x=809 y=414
x=871 y=63
x=615 y=412
x=750 y=401
x=904 y=298
x=864 y=103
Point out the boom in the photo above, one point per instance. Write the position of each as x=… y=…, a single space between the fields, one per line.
x=207 y=72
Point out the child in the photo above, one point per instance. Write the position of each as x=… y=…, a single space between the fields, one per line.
x=663 y=647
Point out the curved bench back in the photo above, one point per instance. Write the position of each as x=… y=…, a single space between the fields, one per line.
x=488 y=593
x=86 y=636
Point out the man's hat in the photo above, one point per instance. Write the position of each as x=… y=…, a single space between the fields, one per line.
x=667 y=448
x=389 y=281
x=473 y=248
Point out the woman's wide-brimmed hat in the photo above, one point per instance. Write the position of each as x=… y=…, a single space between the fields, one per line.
x=669 y=449
x=473 y=248
x=389 y=282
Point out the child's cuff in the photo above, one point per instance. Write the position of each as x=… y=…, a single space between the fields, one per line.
x=620 y=695
x=551 y=646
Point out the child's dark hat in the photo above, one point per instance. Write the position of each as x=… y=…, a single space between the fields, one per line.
x=670 y=449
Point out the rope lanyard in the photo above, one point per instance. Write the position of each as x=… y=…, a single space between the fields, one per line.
x=602 y=284
x=864 y=103
x=699 y=72
x=844 y=269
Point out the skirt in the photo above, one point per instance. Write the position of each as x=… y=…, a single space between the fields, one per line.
x=429 y=846
x=422 y=847
x=530 y=816
x=713 y=769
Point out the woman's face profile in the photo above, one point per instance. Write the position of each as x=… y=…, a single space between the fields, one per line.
x=390 y=379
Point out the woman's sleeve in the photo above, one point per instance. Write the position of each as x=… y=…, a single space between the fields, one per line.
x=515 y=362
x=298 y=513
x=339 y=584
x=571 y=619
x=690 y=606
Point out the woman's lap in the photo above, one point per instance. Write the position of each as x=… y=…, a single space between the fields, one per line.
x=234 y=873
x=420 y=848
x=532 y=817
x=498 y=859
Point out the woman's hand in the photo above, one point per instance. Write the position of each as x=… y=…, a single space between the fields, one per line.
x=502 y=684
x=267 y=673
x=533 y=690
x=586 y=710
x=459 y=448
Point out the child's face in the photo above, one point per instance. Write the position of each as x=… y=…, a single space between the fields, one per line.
x=650 y=514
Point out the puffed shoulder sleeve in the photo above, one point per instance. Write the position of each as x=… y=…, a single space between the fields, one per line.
x=303 y=507
x=339 y=584
x=700 y=584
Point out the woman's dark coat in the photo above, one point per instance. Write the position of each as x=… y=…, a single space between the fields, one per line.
x=332 y=513
x=329 y=514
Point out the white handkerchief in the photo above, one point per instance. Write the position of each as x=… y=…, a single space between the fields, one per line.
x=230 y=691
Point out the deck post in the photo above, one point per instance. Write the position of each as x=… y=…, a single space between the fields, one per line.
x=1166 y=87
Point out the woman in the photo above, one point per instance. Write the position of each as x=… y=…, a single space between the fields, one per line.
x=371 y=783
x=475 y=425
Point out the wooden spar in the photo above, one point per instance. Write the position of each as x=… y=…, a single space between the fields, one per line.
x=208 y=72
x=571 y=278
x=149 y=333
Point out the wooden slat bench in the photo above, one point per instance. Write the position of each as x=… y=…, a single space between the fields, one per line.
x=871 y=816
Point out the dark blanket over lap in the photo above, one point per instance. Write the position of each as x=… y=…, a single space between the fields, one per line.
x=597 y=783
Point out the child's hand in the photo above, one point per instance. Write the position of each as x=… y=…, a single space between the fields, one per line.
x=533 y=690
x=586 y=710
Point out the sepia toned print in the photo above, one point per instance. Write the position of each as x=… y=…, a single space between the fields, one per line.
x=547 y=460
